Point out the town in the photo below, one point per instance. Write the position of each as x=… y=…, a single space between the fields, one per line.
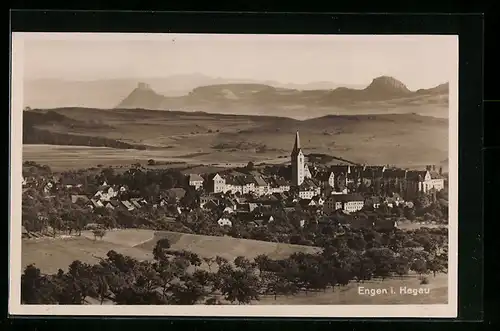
x=251 y=196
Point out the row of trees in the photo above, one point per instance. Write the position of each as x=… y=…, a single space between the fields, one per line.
x=184 y=278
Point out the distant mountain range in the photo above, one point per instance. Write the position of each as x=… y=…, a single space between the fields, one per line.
x=225 y=96
x=384 y=95
x=107 y=93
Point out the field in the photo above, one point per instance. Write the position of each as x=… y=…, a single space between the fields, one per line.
x=50 y=254
x=228 y=140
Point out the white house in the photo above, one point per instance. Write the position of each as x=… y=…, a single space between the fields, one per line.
x=105 y=193
x=219 y=184
x=195 y=181
x=223 y=221
x=346 y=202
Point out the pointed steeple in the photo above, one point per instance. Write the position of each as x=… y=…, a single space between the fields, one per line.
x=296 y=146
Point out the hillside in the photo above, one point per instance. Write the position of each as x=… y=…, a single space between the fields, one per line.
x=41 y=128
x=383 y=95
x=197 y=137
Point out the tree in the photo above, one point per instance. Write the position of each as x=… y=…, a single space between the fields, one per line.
x=419 y=266
x=188 y=293
x=151 y=162
x=436 y=265
x=238 y=285
x=161 y=245
x=250 y=166
x=99 y=233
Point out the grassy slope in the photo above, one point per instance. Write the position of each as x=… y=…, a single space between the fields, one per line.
x=51 y=254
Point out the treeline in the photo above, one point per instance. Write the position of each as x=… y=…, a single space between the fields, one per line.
x=36 y=136
x=182 y=277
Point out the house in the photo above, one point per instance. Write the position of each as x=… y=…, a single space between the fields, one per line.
x=424 y=181
x=318 y=200
x=128 y=205
x=176 y=193
x=278 y=185
x=394 y=200
x=195 y=181
x=228 y=210
x=218 y=183
x=70 y=183
x=211 y=205
x=79 y=197
x=305 y=203
x=48 y=187
x=105 y=193
x=308 y=189
x=325 y=178
x=108 y=205
x=261 y=186
x=135 y=203
x=115 y=203
x=96 y=203
x=346 y=202
x=224 y=221
x=246 y=207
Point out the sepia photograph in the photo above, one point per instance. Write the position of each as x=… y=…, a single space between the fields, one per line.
x=234 y=175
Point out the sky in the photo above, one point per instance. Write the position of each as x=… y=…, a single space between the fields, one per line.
x=417 y=61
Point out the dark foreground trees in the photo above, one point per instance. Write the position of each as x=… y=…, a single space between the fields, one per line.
x=184 y=278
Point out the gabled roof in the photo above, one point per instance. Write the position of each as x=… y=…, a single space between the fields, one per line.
x=195 y=178
x=336 y=169
x=416 y=174
x=76 y=197
x=127 y=204
x=260 y=181
x=435 y=175
x=211 y=204
x=135 y=203
x=115 y=203
x=346 y=197
x=176 y=192
x=323 y=176
x=394 y=173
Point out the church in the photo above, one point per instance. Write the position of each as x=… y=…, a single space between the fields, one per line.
x=300 y=170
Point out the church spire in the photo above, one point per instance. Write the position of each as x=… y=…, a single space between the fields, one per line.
x=296 y=146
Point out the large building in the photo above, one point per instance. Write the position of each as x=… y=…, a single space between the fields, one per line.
x=346 y=202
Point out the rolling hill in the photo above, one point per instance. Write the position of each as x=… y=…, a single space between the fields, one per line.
x=206 y=138
x=383 y=95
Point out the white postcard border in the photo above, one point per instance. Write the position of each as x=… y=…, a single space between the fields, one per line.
x=331 y=311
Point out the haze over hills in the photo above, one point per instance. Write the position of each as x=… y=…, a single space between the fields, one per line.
x=107 y=93
x=383 y=95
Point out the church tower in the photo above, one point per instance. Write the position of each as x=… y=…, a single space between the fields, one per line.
x=297 y=162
